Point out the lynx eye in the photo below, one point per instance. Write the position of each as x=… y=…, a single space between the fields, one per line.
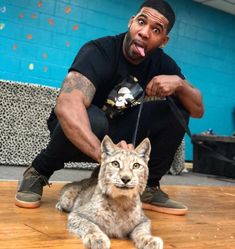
x=136 y=166
x=115 y=164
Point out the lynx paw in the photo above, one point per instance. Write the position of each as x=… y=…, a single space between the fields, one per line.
x=58 y=207
x=62 y=208
x=151 y=242
x=97 y=241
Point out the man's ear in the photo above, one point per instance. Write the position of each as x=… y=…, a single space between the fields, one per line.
x=164 y=41
x=130 y=21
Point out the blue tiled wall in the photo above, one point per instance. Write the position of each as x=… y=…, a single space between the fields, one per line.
x=202 y=42
x=39 y=39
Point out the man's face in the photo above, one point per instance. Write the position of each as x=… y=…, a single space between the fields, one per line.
x=147 y=31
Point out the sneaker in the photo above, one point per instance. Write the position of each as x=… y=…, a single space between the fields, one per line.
x=29 y=193
x=155 y=199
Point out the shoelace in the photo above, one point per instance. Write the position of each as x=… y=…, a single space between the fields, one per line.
x=158 y=189
x=39 y=177
x=46 y=182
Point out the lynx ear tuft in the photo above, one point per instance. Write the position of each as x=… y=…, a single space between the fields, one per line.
x=107 y=146
x=144 y=149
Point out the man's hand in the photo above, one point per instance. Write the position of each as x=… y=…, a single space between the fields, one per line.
x=163 y=85
x=166 y=85
x=124 y=145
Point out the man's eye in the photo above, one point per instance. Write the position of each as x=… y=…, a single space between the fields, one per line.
x=136 y=166
x=156 y=30
x=141 y=22
x=115 y=164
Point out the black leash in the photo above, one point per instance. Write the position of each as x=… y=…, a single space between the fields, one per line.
x=138 y=119
x=183 y=122
x=178 y=114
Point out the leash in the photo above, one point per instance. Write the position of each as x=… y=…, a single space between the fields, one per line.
x=138 y=118
x=178 y=114
x=182 y=121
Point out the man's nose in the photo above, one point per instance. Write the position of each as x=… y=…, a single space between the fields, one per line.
x=144 y=32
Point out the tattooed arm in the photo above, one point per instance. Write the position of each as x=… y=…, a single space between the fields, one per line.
x=75 y=96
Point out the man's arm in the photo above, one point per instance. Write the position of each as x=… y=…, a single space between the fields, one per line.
x=75 y=96
x=190 y=97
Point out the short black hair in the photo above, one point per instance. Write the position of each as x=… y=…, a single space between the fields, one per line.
x=164 y=8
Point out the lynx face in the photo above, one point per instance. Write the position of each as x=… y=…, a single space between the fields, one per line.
x=123 y=172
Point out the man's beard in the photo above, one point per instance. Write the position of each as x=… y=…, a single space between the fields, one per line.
x=128 y=42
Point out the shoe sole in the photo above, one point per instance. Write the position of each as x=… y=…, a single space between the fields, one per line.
x=24 y=204
x=165 y=210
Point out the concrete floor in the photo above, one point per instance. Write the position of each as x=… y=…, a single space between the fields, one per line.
x=187 y=178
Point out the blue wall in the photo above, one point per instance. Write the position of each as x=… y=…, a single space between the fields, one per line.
x=39 y=39
x=202 y=43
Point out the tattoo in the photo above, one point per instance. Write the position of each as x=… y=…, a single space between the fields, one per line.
x=76 y=81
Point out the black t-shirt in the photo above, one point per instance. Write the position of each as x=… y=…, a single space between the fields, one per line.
x=103 y=63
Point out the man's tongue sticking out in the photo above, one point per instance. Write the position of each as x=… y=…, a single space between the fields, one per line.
x=140 y=50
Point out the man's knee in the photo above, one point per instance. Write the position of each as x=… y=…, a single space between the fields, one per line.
x=98 y=120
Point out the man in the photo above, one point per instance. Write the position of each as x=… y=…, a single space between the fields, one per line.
x=86 y=109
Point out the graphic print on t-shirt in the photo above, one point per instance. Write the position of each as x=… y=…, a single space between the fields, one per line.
x=124 y=95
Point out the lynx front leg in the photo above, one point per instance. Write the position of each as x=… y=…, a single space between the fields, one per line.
x=90 y=233
x=68 y=196
x=143 y=239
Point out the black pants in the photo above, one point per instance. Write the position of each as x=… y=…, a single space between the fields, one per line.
x=157 y=122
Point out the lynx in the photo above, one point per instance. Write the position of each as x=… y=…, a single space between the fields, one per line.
x=110 y=206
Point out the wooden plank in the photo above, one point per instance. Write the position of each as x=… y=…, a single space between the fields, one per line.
x=214 y=138
x=209 y=223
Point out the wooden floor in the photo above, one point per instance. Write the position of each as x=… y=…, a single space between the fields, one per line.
x=210 y=223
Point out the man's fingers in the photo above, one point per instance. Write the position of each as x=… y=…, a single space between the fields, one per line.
x=130 y=146
x=123 y=144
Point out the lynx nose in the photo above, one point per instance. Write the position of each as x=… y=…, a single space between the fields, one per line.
x=125 y=179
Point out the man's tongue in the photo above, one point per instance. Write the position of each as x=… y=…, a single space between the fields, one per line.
x=140 y=50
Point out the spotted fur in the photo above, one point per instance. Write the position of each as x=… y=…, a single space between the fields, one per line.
x=24 y=109
x=110 y=206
